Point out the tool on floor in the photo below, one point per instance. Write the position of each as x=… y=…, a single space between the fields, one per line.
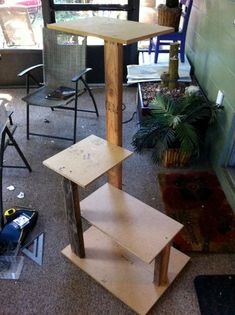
x=37 y=253
x=18 y=222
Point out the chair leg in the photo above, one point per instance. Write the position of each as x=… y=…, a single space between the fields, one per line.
x=157 y=47
x=75 y=121
x=150 y=46
x=27 y=121
x=182 y=51
x=17 y=149
x=91 y=95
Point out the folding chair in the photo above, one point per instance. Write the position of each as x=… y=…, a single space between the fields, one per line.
x=7 y=129
x=63 y=56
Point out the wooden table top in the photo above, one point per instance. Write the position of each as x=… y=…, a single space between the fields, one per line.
x=110 y=29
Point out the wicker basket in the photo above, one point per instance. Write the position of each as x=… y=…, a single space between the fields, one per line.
x=175 y=158
x=169 y=16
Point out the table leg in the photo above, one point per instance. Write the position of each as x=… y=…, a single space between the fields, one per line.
x=74 y=219
x=161 y=267
x=113 y=54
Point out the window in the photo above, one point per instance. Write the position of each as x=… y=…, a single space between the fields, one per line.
x=86 y=8
x=21 y=24
x=92 y=2
x=70 y=15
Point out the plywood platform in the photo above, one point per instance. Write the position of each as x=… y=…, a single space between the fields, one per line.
x=137 y=227
x=87 y=160
x=111 y=29
x=107 y=263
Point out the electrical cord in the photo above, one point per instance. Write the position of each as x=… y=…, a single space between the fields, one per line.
x=127 y=121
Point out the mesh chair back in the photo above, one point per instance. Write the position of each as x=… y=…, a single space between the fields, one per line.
x=64 y=56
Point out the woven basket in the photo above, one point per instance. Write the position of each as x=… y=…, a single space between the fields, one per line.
x=169 y=16
x=175 y=158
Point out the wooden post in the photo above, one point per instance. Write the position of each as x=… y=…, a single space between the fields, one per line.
x=74 y=220
x=161 y=267
x=174 y=50
x=173 y=66
x=165 y=79
x=113 y=54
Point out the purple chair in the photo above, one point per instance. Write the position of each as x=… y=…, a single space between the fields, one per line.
x=165 y=40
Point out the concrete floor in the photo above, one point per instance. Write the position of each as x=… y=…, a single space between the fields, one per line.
x=58 y=287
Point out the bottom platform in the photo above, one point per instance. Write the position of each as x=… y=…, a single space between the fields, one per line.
x=124 y=275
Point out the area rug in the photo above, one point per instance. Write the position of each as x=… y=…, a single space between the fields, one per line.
x=196 y=200
x=216 y=294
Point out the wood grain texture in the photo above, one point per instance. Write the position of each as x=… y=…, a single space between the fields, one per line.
x=137 y=227
x=87 y=160
x=110 y=29
x=164 y=264
x=113 y=55
x=133 y=284
x=74 y=221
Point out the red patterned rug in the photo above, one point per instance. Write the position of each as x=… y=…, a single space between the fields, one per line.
x=196 y=200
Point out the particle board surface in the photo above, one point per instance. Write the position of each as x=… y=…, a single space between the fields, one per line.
x=110 y=29
x=106 y=263
x=141 y=229
x=87 y=160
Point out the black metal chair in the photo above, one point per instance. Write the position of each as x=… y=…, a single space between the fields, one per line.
x=63 y=56
x=7 y=129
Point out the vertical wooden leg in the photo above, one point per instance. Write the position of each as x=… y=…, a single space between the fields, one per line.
x=113 y=55
x=73 y=212
x=161 y=267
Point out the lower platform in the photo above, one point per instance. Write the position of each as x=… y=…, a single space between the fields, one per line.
x=124 y=276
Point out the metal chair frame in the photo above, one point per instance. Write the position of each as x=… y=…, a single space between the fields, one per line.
x=7 y=138
x=53 y=81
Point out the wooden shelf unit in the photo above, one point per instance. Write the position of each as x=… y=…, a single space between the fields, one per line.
x=128 y=248
x=115 y=34
x=135 y=226
x=121 y=274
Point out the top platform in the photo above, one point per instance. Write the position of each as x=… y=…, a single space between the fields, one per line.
x=87 y=160
x=112 y=30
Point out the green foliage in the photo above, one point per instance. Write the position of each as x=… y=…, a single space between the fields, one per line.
x=174 y=123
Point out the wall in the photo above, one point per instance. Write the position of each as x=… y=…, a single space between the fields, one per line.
x=13 y=61
x=211 y=50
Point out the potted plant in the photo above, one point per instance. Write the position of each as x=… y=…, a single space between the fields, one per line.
x=175 y=128
x=169 y=14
